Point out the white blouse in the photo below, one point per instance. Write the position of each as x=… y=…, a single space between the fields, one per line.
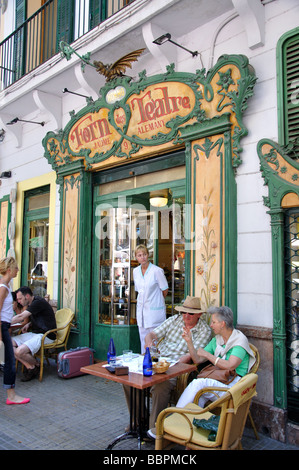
x=151 y=310
x=7 y=309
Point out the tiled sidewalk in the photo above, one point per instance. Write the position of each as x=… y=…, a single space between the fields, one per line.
x=84 y=413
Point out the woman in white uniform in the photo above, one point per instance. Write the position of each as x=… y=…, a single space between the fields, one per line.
x=152 y=287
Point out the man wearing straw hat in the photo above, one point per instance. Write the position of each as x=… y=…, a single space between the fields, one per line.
x=174 y=347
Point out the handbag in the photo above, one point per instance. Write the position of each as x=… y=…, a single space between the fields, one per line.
x=210 y=424
x=225 y=376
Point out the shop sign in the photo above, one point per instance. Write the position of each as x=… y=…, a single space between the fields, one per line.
x=156 y=106
x=134 y=117
x=94 y=132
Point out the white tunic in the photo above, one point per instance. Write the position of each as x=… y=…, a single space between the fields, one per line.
x=151 y=310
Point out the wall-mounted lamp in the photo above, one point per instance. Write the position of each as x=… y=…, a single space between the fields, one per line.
x=65 y=90
x=159 y=198
x=167 y=37
x=5 y=174
x=15 y=120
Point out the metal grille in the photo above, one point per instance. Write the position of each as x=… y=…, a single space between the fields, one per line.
x=292 y=310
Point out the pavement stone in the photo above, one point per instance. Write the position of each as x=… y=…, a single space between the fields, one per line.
x=83 y=413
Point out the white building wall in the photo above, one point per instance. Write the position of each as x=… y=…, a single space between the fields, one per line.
x=254 y=231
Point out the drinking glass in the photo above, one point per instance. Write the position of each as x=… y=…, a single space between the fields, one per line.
x=127 y=355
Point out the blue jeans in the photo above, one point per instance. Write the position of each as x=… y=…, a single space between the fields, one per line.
x=9 y=371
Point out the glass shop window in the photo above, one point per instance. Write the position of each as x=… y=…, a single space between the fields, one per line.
x=35 y=241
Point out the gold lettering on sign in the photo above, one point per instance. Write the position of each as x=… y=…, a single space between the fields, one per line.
x=115 y=95
x=120 y=118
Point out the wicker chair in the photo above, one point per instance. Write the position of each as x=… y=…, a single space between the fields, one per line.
x=64 y=318
x=185 y=379
x=175 y=425
x=254 y=370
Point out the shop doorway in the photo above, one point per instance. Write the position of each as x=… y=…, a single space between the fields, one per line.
x=142 y=207
x=34 y=273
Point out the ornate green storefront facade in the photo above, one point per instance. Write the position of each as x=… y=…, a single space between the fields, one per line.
x=197 y=114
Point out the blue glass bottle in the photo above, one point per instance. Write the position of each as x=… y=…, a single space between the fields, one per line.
x=147 y=364
x=111 y=350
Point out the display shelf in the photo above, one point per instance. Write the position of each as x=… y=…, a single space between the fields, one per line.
x=117 y=301
x=117 y=295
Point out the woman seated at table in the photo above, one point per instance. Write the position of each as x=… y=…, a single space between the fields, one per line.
x=17 y=308
x=229 y=349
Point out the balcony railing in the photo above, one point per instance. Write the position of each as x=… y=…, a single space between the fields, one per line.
x=38 y=38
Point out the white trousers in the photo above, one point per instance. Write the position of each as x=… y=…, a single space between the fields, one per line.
x=198 y=384
x=31 y=340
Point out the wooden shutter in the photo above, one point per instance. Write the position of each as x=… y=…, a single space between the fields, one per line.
x=97 y=12
x=20 y=39
x=291 y=88
x=65 y=22
x=21 y=8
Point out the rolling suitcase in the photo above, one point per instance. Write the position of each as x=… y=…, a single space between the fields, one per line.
x=70 y=362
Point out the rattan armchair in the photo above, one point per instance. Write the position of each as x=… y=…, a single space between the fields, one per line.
x=254 y=370
x=175 y=425
x=64 y=318
x=185 y=379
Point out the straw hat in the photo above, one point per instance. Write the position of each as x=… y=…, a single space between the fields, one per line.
x=190 y=305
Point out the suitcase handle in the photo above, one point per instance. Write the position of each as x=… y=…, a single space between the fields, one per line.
x=64 y=366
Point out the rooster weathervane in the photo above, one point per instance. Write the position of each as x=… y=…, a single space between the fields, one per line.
x=110 y=71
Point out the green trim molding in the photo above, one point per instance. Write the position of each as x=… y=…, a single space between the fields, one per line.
x=281 y=175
